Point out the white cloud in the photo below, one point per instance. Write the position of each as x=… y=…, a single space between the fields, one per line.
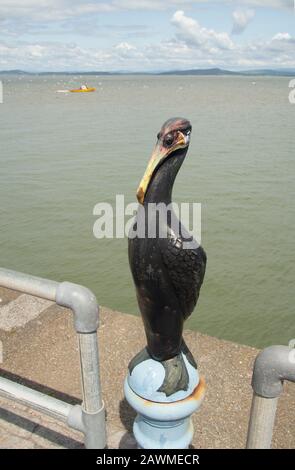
x=125 y=46
x=62 y=9
x=282 y=37
x=190 y=31
x=52 y=10
x=197 y=48
x=269 y=3
x=241 y=19
x=191 y=45
x=69 y=57
x=51 y=56
x=202 y=47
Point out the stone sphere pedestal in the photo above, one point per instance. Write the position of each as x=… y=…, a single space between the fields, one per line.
x=162 y=422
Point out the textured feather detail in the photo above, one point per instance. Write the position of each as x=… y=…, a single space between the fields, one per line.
x=186 y=269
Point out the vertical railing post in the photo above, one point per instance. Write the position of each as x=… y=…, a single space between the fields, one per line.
x=271 y=368
x=84 y=306
x=261 y=424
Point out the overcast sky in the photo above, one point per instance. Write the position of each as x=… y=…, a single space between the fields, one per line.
x=146 y=35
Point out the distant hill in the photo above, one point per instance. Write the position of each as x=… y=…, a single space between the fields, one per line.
x=22 y=72
x=197 y=72
x=13 y=72
x=221 y=72
x=272 y=73
x=201 y=72
x=77 y=73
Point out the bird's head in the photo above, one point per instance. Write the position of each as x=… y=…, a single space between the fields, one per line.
x=172 y=142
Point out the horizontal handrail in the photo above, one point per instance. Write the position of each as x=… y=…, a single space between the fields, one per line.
x=28 y=284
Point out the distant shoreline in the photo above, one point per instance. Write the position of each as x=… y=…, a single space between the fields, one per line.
x=190 y=72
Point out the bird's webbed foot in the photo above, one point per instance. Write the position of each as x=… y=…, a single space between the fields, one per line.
x=176 y=376
x=176 y=373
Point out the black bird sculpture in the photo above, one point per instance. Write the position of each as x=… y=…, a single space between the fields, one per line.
x=167 y=265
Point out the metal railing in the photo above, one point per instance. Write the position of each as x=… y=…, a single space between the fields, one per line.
x=272 y=367
x=89 y=418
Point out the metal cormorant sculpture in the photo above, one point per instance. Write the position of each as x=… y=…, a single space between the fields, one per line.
x=168 y=276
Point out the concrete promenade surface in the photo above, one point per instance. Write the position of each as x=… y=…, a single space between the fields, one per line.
x=39 y=344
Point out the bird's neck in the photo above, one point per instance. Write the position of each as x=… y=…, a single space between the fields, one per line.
x=161 y=185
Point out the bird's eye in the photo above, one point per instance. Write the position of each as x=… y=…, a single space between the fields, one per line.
x=168 y=140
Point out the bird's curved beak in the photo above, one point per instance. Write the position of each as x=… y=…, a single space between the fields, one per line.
x=159 y=154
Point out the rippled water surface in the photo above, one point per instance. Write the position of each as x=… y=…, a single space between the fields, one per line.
x=63 y=153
